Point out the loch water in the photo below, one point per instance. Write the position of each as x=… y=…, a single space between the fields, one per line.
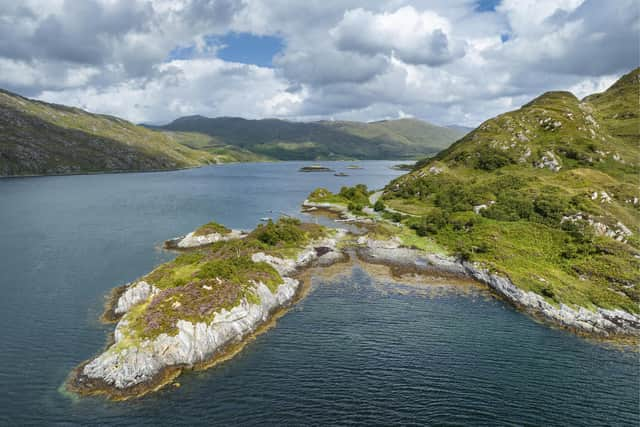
x=357 y=350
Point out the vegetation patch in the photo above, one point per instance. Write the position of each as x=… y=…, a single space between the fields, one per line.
x=538 y=194
x=354 y=198
x=201 y=282
x=210 y=228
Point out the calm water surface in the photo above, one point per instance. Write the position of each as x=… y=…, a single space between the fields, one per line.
x=354 y=351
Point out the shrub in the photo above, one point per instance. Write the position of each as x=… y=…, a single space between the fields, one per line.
x=210 y=228
x=551 y=208
x=454 y=197
x=379 y=206
x=355 y=207
x=359 y=194
x=430 y=223
x=463 y=221
x=491 y=159
x=510 y=206
x=286 y=230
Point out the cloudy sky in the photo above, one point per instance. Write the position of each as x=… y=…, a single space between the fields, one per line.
x=445 y=61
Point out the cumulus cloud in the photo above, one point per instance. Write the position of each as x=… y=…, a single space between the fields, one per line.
x=415 y=37
x=439 y=60
x=206 y=86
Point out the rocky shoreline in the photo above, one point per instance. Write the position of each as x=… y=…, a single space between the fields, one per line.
x=127 y=371
x=123 y=373
x=602 y=323
x=192 y=240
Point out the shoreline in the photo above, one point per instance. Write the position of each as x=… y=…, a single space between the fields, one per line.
x=142 y=368
x=614 y=325
x=145 y=370
x=79 y=383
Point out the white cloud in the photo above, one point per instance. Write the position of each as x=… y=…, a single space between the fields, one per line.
x=206 y=86
x=415 y=37
x=437 y=60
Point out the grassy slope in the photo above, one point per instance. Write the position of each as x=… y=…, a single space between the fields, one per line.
x=285 y=140
x=41 y=138
x=595 y=142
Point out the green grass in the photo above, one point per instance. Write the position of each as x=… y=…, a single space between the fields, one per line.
x=521 y=233
x=210 y=228
x=201 y=282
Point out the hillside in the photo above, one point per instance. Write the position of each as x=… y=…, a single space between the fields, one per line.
x=285 y=140
x=547 y=195
x=38 y=138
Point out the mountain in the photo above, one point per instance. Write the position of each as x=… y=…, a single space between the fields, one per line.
x=285 y=140
x=547 y=195
x=38 y=138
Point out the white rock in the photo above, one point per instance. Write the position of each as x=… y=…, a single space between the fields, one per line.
x=193 y=241
x=135 y=294
x=193 y=343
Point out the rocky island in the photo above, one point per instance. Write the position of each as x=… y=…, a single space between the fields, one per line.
x=190 y=312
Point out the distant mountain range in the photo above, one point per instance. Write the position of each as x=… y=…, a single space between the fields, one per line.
x=286 y=140
x=39 y=138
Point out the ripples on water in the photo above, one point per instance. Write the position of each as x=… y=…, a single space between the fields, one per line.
x=354 y=351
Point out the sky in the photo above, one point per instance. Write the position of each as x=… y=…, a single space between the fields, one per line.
x=443 y=61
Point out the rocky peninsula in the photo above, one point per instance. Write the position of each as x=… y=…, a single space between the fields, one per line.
x=195 y=310
x=227 y=285
x=391 y=243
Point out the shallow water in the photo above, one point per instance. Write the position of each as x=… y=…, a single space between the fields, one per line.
x=353 y=351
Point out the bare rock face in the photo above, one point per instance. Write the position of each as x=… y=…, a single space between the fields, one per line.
x=602 y=322
x=549 y=161
x=192 y=240
x=192 y=344
x=135 y=294
x=126 y=364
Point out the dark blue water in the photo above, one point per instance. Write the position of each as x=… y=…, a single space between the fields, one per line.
x=351 y=352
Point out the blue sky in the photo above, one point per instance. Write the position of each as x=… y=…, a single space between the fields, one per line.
x=244 y=48
x=486 y=5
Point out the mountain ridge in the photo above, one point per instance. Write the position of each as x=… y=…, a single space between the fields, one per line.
x=320 y=140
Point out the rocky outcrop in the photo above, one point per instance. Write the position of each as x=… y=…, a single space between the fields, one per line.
x=288 y=266
x=549 y=161
x=127 y=365
x=341 y=210
x=618 y=231
x=194 y=342
x=601 y=322
x=135 y=294
x=193 y=240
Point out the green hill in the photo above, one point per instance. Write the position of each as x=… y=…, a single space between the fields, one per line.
x=547 y=195
x=41 y=138
x=285 y=140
